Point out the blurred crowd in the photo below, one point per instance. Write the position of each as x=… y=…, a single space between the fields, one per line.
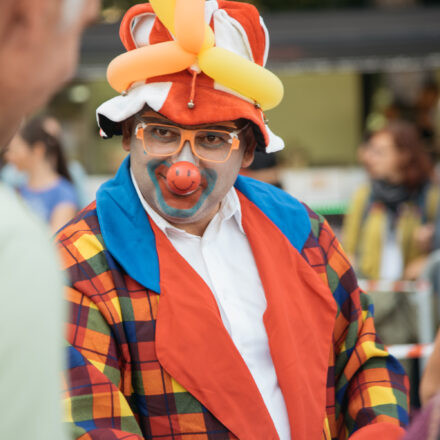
x=392 y=227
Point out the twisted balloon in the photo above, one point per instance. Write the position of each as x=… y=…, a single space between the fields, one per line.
x=194 y=42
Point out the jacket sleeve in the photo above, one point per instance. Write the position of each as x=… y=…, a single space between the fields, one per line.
x=370 y=385
x=95 y=405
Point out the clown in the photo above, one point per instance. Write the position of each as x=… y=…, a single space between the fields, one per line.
x=206 y=305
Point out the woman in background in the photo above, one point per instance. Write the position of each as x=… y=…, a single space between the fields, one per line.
x=382 y=228
x=37 y=151
x=381 y=224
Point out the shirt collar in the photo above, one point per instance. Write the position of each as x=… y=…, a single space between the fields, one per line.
x=230 y=207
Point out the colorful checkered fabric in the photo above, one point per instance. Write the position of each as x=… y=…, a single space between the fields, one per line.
x=118 y=389
x=365 y=384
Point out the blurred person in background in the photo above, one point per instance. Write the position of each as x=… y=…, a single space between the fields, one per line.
x=430 y=384
x=38 y=52
x=12 y=176
x=426 y=425
x=379 y=229
x=36 y=150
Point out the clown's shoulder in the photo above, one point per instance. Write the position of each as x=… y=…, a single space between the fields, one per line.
x=293 y=217
x=80 y=237
x=307 y=231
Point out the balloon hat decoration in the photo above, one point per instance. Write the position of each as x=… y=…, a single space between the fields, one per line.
x=183 y=178
x=193 y=44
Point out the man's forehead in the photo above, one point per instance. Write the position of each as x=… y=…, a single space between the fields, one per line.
x=150 y=114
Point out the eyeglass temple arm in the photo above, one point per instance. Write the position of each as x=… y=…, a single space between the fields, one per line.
x=139 y=133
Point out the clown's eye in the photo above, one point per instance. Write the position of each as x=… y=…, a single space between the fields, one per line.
x=212 y=139
x=163 y=134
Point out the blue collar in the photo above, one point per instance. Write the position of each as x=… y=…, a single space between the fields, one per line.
x=126 y=230
x=129 y=238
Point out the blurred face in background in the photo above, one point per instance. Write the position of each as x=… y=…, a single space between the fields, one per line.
x=383 y=159
x=19 y=154
x=39 y=52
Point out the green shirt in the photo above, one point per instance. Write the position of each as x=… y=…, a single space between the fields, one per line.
x=31 y=326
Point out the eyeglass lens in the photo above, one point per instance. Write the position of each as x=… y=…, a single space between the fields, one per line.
x=166 y=140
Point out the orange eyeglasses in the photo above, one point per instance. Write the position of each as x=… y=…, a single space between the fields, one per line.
x=167 y=140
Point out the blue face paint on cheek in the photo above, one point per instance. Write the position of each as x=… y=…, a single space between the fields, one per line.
x=157 y=170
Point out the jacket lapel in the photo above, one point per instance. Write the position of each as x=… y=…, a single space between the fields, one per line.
x=192 y=343
x=193 y=346
x=299 y=322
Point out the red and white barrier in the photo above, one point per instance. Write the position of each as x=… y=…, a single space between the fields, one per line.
x=410 y=351
x=422 y=295
x=394 y=286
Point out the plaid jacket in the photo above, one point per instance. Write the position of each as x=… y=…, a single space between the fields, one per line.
x=149 y=357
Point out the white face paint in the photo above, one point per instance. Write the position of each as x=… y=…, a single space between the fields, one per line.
x=71 y=11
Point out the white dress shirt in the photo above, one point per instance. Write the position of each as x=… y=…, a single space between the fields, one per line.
x=224 y=260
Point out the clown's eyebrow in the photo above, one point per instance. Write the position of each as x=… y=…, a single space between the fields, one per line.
x=152 y=118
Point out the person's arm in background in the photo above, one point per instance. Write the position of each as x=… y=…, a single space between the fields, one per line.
x=427 y=239
x=38 y=53
x=430 y=384
x=370 y=386
x=66 y=207
x=31 y=355
x=62 y=214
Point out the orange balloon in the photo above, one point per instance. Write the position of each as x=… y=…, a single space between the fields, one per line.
x=147 y=62
x=189 y=24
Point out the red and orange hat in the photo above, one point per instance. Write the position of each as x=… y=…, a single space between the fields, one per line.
x=190 y=96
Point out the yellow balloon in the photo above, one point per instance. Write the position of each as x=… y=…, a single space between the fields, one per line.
x=209 y=38
x=164 y=9
x=243 y=76
x=147 y=62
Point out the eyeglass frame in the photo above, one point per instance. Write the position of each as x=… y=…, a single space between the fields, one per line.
x=189 y=135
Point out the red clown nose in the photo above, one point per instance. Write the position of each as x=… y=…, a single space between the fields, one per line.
x=183 y=178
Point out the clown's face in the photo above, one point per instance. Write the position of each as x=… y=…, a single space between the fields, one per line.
x=191 y=200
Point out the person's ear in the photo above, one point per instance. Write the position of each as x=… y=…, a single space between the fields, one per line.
x=127 y=132
x=249 y=155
